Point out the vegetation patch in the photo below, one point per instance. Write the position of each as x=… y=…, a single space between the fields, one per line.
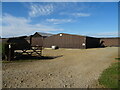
x=117 y=59
x=110 y=77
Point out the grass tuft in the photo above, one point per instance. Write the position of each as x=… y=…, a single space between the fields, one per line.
x=110 y=77
x=117 y=58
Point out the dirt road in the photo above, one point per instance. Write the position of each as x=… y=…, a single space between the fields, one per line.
x=71 y=68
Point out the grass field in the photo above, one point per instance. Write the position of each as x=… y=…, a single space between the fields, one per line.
x=110 y=76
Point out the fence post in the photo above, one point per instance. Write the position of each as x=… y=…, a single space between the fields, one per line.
x=10 y=55
x=9 y=52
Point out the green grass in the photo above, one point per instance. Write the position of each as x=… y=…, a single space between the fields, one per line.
x=109 y=78
x=117 y=58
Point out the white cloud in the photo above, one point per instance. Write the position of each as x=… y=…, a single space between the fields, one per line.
x=76 y=14
x=17 y=26
x=108 y=34
x=39 y=10
x=81 y=14
x=59 y=21
x=60 y=0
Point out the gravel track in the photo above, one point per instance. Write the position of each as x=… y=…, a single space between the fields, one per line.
x=72 y=68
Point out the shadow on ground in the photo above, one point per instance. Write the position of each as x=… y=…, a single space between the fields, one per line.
x=27 y=57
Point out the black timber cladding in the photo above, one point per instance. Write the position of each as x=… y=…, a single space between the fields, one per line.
x=92 y=42
x=63 y=40
x=113 y=41
x=20 y=43
x=37 y=38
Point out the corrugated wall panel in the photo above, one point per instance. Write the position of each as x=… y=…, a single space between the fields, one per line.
x=37 y=41
x=64 y=41
x=92 y=42
x=111 y=41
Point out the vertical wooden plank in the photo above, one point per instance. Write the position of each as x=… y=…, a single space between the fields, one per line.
x=10 y=54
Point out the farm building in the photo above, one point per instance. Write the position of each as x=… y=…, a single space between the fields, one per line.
x=20 y=43
x=12 y=44
x=110 y=41
x=37 y=38
x=63 y=40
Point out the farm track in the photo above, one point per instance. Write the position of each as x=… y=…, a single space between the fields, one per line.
x=71 y=68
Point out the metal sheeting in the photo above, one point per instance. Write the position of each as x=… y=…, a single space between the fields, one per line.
x=64 y=41
x=37 y=41
x=92 y=42
x=111 y=41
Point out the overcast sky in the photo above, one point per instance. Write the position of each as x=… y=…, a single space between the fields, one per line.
x=98 y=19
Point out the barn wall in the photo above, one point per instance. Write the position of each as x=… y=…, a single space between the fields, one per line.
x=19 y=43
x=64 y=41
x=27 y=39
x=111 y=41
x=36 y=40
x=92 y=42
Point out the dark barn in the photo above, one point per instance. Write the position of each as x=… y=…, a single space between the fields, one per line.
x=110 y=41
x=12 y=44
x=37 y=38
x=28 y=39
x=21 y=46
x=20 y=43
x=63 y=40
x=92 y=42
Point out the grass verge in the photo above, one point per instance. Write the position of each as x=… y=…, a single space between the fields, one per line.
x=117 y=59
x=110 y=77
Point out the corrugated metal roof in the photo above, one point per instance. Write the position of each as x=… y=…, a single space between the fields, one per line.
x=71 y=34
x=44 y=34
